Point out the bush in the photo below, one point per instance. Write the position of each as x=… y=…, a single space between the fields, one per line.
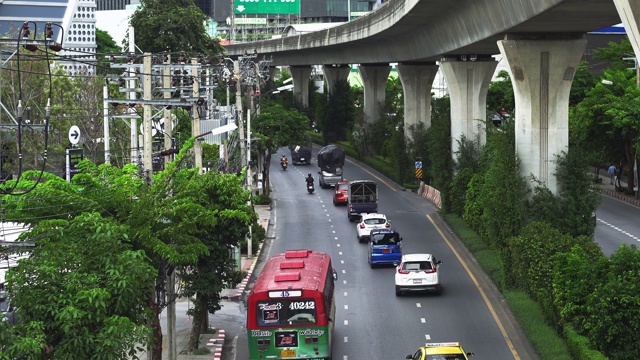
x=579 y=346
x=261 y=200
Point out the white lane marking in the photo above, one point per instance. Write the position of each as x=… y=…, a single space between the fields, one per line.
x=335 y=238
x=346 y=307
x=418 y=305
x=346 y=339
x=345 y=357
x=341 y=261
x=338 y=245
x=423 y=320
x=327 y=214
x=346 y=322
x=620 y=230
x=340 y=253
x=333 y=231
x=428 y=337
x=344 y=271
x=345 y=293
x=344 y=282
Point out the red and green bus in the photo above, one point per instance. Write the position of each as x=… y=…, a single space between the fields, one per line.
x=291 y=307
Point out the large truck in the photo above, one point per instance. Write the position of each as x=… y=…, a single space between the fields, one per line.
x=301 y=154
x=330 y=161
x=362 y=197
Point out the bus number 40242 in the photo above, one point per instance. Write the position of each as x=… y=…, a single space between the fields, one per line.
x=302 y=305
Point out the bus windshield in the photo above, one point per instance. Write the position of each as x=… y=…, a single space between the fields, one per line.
x=286 y=312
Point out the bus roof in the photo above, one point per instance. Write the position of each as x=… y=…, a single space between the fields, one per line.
x=295 y=269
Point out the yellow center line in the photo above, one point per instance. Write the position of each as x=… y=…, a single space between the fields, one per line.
x=484 y=296
x=375 y=176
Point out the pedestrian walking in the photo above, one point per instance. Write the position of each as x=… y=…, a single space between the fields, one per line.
x=612 y=173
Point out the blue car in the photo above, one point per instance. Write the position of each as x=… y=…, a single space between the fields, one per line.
x=385 y=247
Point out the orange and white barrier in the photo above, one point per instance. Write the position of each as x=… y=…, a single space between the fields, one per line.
x=430 y=193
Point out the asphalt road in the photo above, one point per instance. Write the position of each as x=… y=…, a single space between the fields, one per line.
x=617 y=223
x=371 y=322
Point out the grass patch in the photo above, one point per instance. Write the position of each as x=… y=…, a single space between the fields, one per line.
x=202 y=351
x=548 y=344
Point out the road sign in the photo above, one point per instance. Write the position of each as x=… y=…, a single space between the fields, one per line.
x=418 y=164
x=74 y=134
x=266 y=7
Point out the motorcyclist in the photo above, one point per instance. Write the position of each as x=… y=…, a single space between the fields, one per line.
x=309 y=179
x=283 y=160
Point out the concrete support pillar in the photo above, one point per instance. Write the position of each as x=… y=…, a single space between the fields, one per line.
x=300 y=75
x=417 y=80
x=542 y=72
x=629 y=11
x=272 y=73
x=468 y=83
x=335 y=73
x=374 y=79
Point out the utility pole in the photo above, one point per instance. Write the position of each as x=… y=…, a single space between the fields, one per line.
x=195 y=126
x=146 y=124
x=249 y=180
x=236 y=74
x=132 y=97
x=105 y=126
x=168 y=125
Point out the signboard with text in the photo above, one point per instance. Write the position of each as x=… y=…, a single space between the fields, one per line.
x=250 y=21
x=74 y=156
x=266 y=7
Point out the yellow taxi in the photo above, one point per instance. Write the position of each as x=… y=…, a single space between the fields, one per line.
x=440 y=351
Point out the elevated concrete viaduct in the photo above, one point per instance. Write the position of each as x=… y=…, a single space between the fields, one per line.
x=541 y=40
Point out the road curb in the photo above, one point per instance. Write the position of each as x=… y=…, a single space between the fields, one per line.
x=217 y=342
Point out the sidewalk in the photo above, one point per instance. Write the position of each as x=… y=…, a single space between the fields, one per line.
x=610 y=190
x=215 y=342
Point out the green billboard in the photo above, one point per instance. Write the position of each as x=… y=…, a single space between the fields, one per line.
x=242 y=7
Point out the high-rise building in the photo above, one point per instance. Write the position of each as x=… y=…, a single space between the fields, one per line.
x=74 y=27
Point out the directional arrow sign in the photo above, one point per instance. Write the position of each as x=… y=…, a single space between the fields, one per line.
x=74 y=134
x=267 y=7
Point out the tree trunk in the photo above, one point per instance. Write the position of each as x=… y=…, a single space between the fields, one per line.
x=196 y=326
x=156 y=343
x=267 y=181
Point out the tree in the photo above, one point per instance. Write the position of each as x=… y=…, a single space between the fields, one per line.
x=226 y=218
x=276 y=127
x=613 y=111
x=81 y=292
x=105 y=46
x=500 y=94
x=173 y=25
x=339 y=113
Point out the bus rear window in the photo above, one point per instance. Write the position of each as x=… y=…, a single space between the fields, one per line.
x=286 y=312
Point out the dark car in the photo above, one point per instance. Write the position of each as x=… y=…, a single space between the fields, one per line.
x=340 y=193
x=385 y=247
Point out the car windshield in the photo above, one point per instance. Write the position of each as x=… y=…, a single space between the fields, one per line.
x=385 y=239
x=343 y=187
x=417 y=266
x=375 y=221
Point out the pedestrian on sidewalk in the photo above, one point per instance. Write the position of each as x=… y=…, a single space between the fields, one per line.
x=619 y=176
x=612 y=173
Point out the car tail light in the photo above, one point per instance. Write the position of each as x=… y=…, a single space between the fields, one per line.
x=400 y=271
x=387 y=225
x=361 y=225
x=430 y=271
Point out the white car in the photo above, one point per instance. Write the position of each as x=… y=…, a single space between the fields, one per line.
x=418 y=272
x=369 y=222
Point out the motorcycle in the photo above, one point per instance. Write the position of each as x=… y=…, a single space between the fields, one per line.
x=284 y=164
x=310 y=187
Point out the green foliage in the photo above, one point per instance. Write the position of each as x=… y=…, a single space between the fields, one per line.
x=339 y=113
x=105 y=46
x=174 y=25
x=84 y=289
x=261 y=200
x=458 y=191
x=473 y=204
x=439 y=157
x=614 y=307
x=579 y=346
x=572 y=210
x=500 y=94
